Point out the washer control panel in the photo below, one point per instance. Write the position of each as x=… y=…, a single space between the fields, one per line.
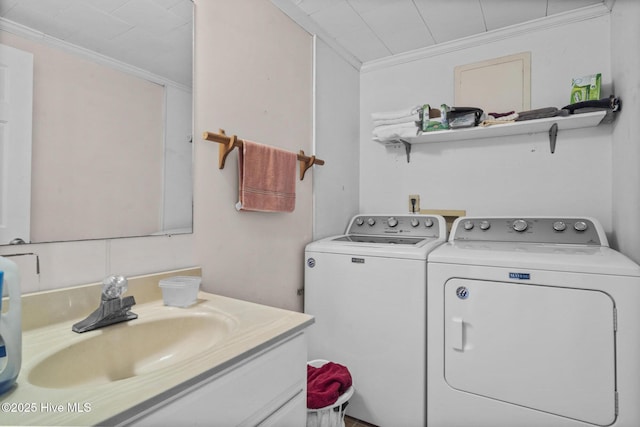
x=580 y=231
x=406 y=225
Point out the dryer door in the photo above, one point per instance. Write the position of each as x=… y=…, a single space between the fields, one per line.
x=547 y=348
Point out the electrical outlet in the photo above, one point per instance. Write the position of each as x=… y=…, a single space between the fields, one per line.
x=414 y=207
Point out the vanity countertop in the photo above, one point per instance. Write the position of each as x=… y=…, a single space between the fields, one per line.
x=47 y=330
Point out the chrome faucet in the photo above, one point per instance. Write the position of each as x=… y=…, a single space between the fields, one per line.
x=113 y=308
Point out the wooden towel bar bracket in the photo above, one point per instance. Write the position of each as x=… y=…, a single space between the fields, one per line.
x=228 y=143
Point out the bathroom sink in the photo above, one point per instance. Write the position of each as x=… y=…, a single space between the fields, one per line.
x=129 y=349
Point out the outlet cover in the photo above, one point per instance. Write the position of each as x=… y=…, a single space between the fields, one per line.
x=414 y=208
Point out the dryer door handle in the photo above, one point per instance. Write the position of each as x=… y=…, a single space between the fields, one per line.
x=457 y=333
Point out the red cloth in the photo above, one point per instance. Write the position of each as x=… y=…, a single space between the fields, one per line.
x=326 y=383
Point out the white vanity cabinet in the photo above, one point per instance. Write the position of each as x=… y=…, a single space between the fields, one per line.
x=268 y=388
x=221 y=362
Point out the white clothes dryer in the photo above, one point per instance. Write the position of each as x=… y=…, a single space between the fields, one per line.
x=532 y=322
x=367 y=291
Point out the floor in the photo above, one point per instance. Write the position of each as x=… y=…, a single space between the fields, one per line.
x=352 y=422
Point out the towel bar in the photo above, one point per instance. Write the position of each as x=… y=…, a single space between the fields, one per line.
x=228 y=143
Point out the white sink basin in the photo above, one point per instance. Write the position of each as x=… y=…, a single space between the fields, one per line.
x=129 y=349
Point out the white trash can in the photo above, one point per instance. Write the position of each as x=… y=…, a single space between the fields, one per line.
x=332 y=415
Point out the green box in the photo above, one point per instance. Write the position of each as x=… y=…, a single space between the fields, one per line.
x=585 y=88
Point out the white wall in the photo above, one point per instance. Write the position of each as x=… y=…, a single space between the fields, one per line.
x=501 y=176
x=337 y=89
x=253 y=78
x=625 y=30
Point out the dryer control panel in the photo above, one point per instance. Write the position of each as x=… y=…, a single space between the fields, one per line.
x=578 y=231
x=404 y=225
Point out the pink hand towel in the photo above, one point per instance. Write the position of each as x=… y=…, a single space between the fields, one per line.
x=267 y=178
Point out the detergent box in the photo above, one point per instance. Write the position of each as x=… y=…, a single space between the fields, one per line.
x=585 y=88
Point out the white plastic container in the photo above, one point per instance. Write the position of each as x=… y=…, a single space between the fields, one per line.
x=331 y=415
x=180 y=291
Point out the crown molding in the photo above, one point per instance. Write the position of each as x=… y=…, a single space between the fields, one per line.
x=557 y=20
x=34 y=35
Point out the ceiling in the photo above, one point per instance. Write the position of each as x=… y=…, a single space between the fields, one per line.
x=154 y=35
x=368 y=30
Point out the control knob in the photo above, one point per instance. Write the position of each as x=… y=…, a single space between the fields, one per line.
x=580 y=226
x=485 y=225
x=414 y=222
x=468 y=225
x=428 y=222
x=520 y=225
x=559 y=226
x=392 y=221
x=359 y=221
x=371 y=222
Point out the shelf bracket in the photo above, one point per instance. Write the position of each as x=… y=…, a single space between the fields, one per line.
x=407 y=149
x=553 y=135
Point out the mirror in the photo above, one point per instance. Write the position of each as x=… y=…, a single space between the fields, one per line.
x=111 y=125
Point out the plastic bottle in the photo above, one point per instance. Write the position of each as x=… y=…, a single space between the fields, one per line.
x=10 y=326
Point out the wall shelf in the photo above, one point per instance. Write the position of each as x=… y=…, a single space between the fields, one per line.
x=545 y=125
x=573 y=121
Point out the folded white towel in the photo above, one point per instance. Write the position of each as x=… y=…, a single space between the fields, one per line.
x=396 y=114
x=405 y=119
x=396 y=131
x=507 y=118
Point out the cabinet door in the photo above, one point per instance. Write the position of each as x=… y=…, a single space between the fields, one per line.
x=546 y=348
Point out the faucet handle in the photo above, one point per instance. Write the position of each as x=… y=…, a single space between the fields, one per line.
x=114 y=286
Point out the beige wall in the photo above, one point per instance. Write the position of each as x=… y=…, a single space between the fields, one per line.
x=93 y=127
x=253 y=77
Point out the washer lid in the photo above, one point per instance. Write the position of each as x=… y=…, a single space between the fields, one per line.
x=387 y=240
x=389 y=236
x=417 y=251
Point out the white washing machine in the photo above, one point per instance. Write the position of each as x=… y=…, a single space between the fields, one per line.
x=367 y=291
x=532 y=322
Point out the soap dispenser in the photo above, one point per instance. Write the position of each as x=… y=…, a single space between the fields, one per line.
x=10 y=326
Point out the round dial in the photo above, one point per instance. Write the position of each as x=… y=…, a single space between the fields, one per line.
x=415 y=222
x=520 y=225
x=485 y=225
x=359 y=221
x=468 y=225
x=371 y=222
x=428 y=222
x=559 y=226
x=580 y=226
x=392 y=221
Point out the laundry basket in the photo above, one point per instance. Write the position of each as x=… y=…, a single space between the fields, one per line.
x=332 y=415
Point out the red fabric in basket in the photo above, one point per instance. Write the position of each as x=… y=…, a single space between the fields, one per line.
x=326 y=383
